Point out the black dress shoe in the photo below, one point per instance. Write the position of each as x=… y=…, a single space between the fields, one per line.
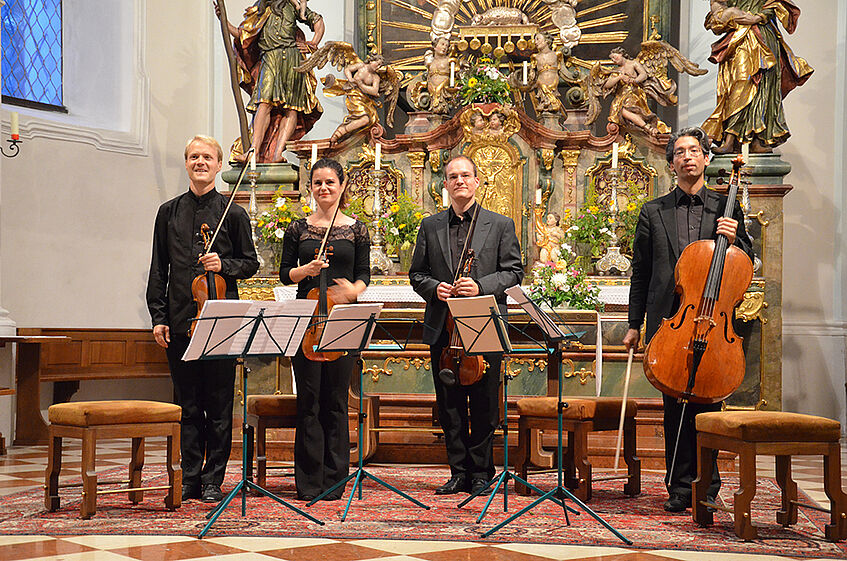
x=478 y=485
x=212 y=493
x=455 y=484
x=190 y=491
x=677 y=503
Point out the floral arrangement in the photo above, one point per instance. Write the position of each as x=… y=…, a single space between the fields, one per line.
x=273 y=222
x=484 y=83
x=590 y=226
x=400 y=223
x=626 y=221
x=564 y=284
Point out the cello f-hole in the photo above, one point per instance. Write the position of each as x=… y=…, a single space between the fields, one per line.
x=726 y=329
x=682 y=319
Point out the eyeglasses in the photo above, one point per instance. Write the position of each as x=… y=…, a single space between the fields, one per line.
x=693 y=151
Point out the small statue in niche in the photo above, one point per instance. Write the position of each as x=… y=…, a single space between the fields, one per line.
x=634 y=82
x=365 y=82
x=756 y=70
x=549 y=236
x=547 y=62
x=437 y=63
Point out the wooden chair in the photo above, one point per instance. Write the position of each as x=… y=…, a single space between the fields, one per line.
x=777 y=433
x=582 y=416
x=92 y=420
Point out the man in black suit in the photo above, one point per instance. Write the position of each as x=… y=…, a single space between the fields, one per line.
x=497 y=267
x=690 y=212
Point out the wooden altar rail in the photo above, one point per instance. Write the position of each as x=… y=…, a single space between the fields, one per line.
x=87 y=354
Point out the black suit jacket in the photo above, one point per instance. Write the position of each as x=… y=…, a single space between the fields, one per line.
x=656 y=251
x=497 y=265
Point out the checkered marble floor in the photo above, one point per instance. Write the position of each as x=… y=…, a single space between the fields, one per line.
x=23 y=468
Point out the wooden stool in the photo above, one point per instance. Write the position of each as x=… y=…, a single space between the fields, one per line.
x=583 y=415
x=264 y=412
x=775 y=433
x=90 y=420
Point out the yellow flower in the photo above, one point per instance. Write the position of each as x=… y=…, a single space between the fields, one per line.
x=401 y=226
x=472 y=82
x=394 y=208
x=593 y=209
x=306 y=209
x=631 y=206
x=260 y=224
x=418 y=216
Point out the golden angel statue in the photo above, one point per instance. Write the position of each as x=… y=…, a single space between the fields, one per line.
x=363 y=84
x=634 y=82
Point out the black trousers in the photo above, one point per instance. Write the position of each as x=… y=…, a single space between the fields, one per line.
x=685 y=468
x=204 y=390
x=322 y=437
x=469 y=416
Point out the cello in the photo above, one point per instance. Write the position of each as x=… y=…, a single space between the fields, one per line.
x=455 y=364
x=696 y=355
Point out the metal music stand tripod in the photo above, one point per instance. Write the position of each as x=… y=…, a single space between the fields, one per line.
x=554 y=337
x=349 y=328
x=236 y=329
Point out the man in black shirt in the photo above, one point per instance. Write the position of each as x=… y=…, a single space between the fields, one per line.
x=665 y=227
x=467 y=414
x=203 y=388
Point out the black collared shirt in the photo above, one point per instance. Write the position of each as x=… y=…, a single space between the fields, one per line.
x=459 y=227
x=689 y=214
x=177 y=244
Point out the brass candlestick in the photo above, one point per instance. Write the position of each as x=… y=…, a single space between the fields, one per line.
x=613 y=262
x=253 y=213
x=380 y=263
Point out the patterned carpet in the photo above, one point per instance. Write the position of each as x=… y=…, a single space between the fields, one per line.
x=384 y=515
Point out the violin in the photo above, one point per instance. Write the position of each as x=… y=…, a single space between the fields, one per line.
x=208 y=285
x=325 y=304
x=455 y=363
x=696 y=355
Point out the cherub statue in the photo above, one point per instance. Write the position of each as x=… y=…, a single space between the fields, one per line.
x=756 y=70
x=549 y=236
x=269 y=45
x=545 y=95
x=365 y=82
x=634 y=82
x=437 y=63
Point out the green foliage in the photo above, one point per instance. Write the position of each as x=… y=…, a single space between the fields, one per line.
x=484 y=83
x=400 y=222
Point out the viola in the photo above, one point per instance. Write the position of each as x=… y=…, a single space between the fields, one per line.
x=325 y=304
x=455 y=363
x=696 y=355
x=209 y=285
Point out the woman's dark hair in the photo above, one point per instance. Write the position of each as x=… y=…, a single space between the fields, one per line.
x=339 y=173
x=694 y=132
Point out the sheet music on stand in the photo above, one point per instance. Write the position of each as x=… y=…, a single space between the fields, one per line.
x=224 y=326
x=547 y=325
x=480 y=331
x=346 y=326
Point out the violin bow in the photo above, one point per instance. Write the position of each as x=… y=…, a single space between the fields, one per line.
x=229 y=203
x=623 y=406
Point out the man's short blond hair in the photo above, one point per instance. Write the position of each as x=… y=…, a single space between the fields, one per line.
x=208 y=141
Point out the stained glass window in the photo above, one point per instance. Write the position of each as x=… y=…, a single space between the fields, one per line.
x=32 y=51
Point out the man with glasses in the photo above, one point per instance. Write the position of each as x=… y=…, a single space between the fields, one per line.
x=690 y=212
x=468 y=414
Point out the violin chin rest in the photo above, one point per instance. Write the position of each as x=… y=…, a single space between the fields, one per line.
x=448 y=377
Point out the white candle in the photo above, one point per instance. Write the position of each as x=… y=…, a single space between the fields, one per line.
x=14 y=125
x=452 y=73
x=377 y=156
x=745 y=152
x=615 y=155
x=253 y=161
x=444 y=201
x=314 y=153
x=538 y=197
x=524 y=72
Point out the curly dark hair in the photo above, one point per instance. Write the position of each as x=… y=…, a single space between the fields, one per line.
x=621 y=51
x=694 y=132
x=339 y=173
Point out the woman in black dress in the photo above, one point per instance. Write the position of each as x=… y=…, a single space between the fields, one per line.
x=321 y=442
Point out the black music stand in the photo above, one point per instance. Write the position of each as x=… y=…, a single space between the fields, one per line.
x=349 y=328
x=482 y=331
x=236 y=329
x=554 y=337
